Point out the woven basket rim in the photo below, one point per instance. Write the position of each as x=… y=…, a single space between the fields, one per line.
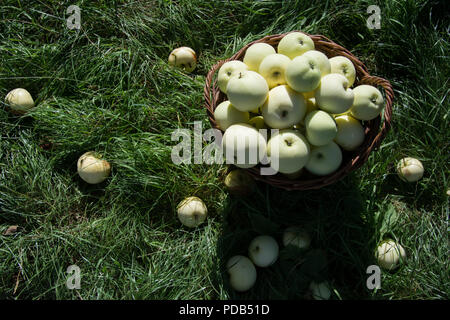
x=375 y=130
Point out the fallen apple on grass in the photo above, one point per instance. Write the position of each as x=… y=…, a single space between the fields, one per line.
x=263 y=251
x=410 y=169
x=184 y=58
x=242 y=273
x=192 y=212
x=92 y=169
x=320 y=290
x=19 y=100
x=390 y=254
x=297 y=237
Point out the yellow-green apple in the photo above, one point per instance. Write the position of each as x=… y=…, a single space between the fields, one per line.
x=289 y=149
x=325 y=159
x=303 y=74
x=283 y=108
x=243 y=145
x=297 y=237
x=410 y=169
x=263 y=251
x=242 y=273
x=256 y=53
x=192 y=212
x=295 y=44
x=344 y=66
x=273 y=69
x=239 y=182
x=322 y=59
x=257 y=122
x=320 y=290
x=19 y=100
x=183 y=57
x=334 y=94
x=92 y=168
x=390 y=254
x=368 y=102
x=320 y=127
x=227 y=115
x=228 y=70
x=350 y=132
x=247 y=91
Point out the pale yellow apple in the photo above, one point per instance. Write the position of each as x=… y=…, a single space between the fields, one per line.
x=410 y=169
x=295 y=44
x=183 y=57
x=242 y=273
x=320 y=127
x=192 y=212
x=325 y=159
x=263 y=251
x=334 y=94
x=303 y=74
x=344 y=66
x=368 y=102
x=257 y=122
x=19 y=100
x=350 y=132
x=256 y=53
x=283 y=108
x=228 y=70
x=322 y=59
x=390 y=254
x=243 y=145
x=288 y=149
x=273 y=69
x=227 y=115
x=92 y=169
x=247 y=91
x=239 y=182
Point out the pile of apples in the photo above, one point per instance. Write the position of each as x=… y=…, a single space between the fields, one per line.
x=303 y=93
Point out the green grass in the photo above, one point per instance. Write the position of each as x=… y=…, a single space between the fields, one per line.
x=108 y=88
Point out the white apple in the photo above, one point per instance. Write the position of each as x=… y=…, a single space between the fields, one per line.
x=344 y=66
x=242 y=273
x=92 y=169
x=410 y=169
x=257 y=122
x=247 y=91
x=256 y=53
x=239 y=182
x=243 y=145
x=263 y=251
x=295 y=44
x=324 y=159
x=228 y=70
x=320 y=291
x=334 y=94
x=389 y=254
x=19 y=100
x=283 y=108
x=320 y=127
x=303 y=74
x=350 y=132
x=368 y=102
x=273 y=69
x=227 y=115
x=192 y=212
x=297 y=237
x=183 y=57
x=288 y=149
x=322 y=60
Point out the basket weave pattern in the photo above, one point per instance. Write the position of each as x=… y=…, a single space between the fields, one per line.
x=375 y=130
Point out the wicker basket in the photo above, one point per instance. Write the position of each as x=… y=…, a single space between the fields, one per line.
x=375 y=129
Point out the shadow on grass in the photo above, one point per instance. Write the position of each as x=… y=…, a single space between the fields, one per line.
x=341 y=237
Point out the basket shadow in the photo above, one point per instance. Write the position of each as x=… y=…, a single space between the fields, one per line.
x=341 y=237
